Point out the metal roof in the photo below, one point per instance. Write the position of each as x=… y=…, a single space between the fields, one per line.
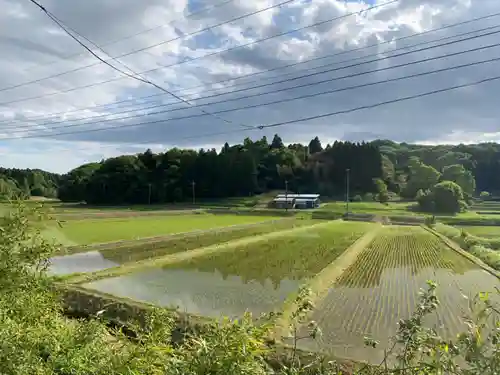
x=303 y=200
x=283 y=199
x=299 y=196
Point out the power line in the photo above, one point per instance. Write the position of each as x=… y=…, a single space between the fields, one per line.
x=259 y=105
x=135 y=75
x=284 y=81
x=380 y=104
x=276 y=68
x=183 y=61
x=274 y=77
x=346 y=111
x=130 y=36
x=146 y=48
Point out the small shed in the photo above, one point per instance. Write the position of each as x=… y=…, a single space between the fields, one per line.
x=282 y=202
x=299 y=201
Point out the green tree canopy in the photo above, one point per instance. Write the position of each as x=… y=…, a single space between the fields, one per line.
x=461 y=176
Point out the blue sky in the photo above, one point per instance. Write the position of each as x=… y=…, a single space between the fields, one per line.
x=36 y=49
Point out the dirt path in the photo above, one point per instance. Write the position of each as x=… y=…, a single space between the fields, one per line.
x=320 y=284
x=178 y=257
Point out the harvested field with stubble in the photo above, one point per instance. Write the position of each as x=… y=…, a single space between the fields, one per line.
x=382 y=286
x=257 y=276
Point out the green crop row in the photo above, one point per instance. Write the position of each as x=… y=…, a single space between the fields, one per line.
x=382 y=287
x=294 y=256
x=176 y=244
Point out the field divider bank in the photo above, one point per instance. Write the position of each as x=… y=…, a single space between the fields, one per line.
x=455 y=247
x=321 y=283
x=183 y=256
x=123 y=244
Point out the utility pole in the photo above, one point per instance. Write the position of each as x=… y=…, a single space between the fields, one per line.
x=194 y=194
x=347 y=191
x=149 y=194
x=286 y=195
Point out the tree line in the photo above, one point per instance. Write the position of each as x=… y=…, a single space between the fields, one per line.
x=24 y=183
x=253 y=167
x=243 y=169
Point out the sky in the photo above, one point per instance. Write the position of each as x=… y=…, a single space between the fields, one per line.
x=60 y=107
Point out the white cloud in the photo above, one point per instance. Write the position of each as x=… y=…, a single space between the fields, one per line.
x=35 y=48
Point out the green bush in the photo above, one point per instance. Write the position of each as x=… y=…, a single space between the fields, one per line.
x=488 y=256
x=357 y=198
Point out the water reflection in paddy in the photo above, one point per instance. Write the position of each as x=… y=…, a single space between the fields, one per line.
x=210 y=294
x=82 y=262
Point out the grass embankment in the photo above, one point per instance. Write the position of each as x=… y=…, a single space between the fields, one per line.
x=486 y=249
x=323 y=280
x=162 y=261
x=294 y=255
x=107 y=230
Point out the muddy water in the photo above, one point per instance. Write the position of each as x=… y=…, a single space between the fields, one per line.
x=209 y=294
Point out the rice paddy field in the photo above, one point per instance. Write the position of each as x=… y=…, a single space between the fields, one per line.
x=99 y=257
x=257 y=277
x=215 y=265
x=382 y=286
x=81 y=232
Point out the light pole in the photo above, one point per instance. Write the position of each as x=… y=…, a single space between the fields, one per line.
x=347 y=191
x=194 y=193
x=286 y=195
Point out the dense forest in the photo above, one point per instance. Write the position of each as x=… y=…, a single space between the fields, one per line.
x=253 y=167
x=24 y=183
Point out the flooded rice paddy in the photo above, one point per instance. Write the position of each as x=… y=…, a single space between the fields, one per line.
x=381 y=287
x=257 y=277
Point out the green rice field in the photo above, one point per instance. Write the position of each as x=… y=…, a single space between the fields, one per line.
x=80 y=232
x=98 y=258
x=257 y=277
x=482 y=231
x=382 y=286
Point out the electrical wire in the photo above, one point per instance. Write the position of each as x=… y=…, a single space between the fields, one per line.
x=256 y=73
x=259 y=105
x=161 y=67
x=122 y=39
x=434 y=58
x=134 y=74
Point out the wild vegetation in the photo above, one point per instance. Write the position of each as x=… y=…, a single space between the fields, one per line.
x=485 y=248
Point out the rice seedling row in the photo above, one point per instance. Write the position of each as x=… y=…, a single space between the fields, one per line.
x=112 y=256
x=382 y=286
x=258 y=276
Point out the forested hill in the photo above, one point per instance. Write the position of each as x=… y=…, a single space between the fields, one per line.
x=482 y=160
x=238 y=170
x=259 y=166
x=27 y=182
